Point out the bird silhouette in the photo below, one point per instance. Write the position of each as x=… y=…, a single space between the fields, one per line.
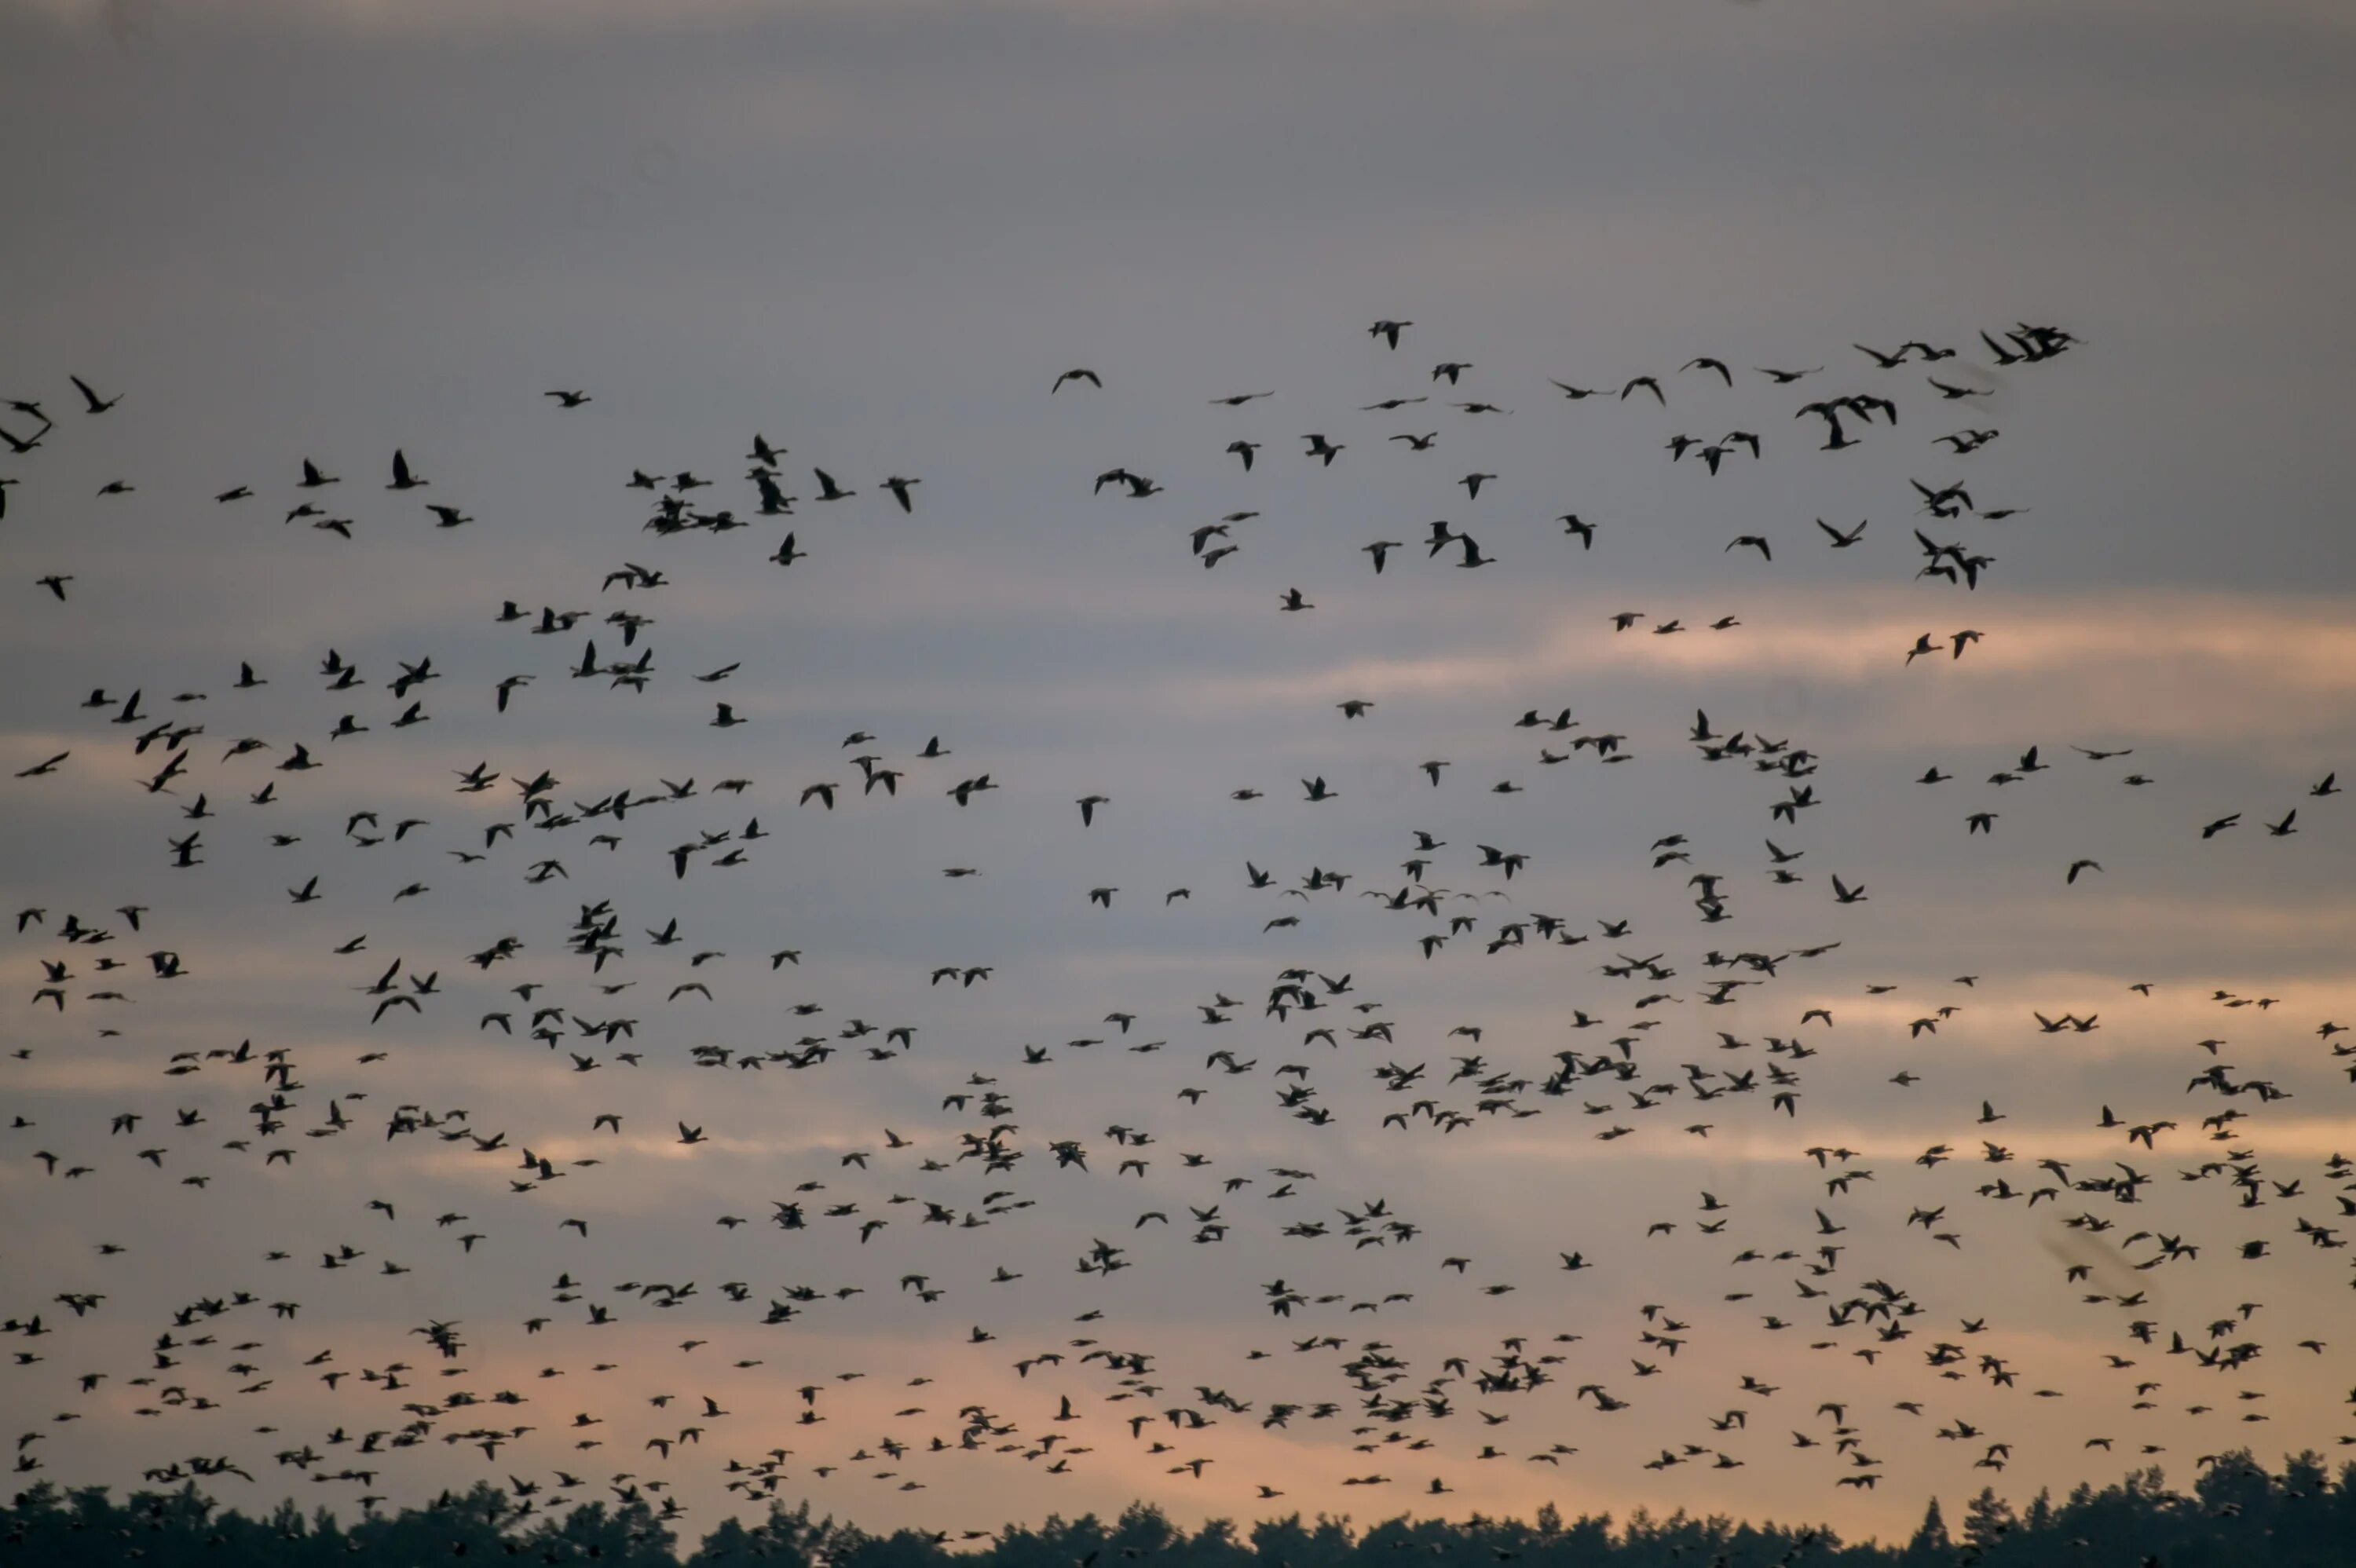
x=1431 y=1031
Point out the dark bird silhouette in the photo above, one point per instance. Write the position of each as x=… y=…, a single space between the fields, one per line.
x=91 y=402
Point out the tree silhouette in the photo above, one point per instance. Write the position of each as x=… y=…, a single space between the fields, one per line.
x=2238 y=1514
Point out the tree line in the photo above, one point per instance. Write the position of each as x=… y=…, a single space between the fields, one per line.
x=2238 y=1514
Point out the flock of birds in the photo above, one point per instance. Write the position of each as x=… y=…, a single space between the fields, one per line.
x=236 y=1375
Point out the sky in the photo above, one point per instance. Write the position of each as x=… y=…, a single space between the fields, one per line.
x=875 y=235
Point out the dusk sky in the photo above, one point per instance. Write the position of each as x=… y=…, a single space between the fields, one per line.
x=872 y=237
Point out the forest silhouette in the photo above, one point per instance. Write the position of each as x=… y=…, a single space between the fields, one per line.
x=2238 y=1512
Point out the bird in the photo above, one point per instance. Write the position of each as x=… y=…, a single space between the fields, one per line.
x=91 y=402
x=1042 y=651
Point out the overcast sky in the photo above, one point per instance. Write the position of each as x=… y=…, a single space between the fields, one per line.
x=875 y=234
